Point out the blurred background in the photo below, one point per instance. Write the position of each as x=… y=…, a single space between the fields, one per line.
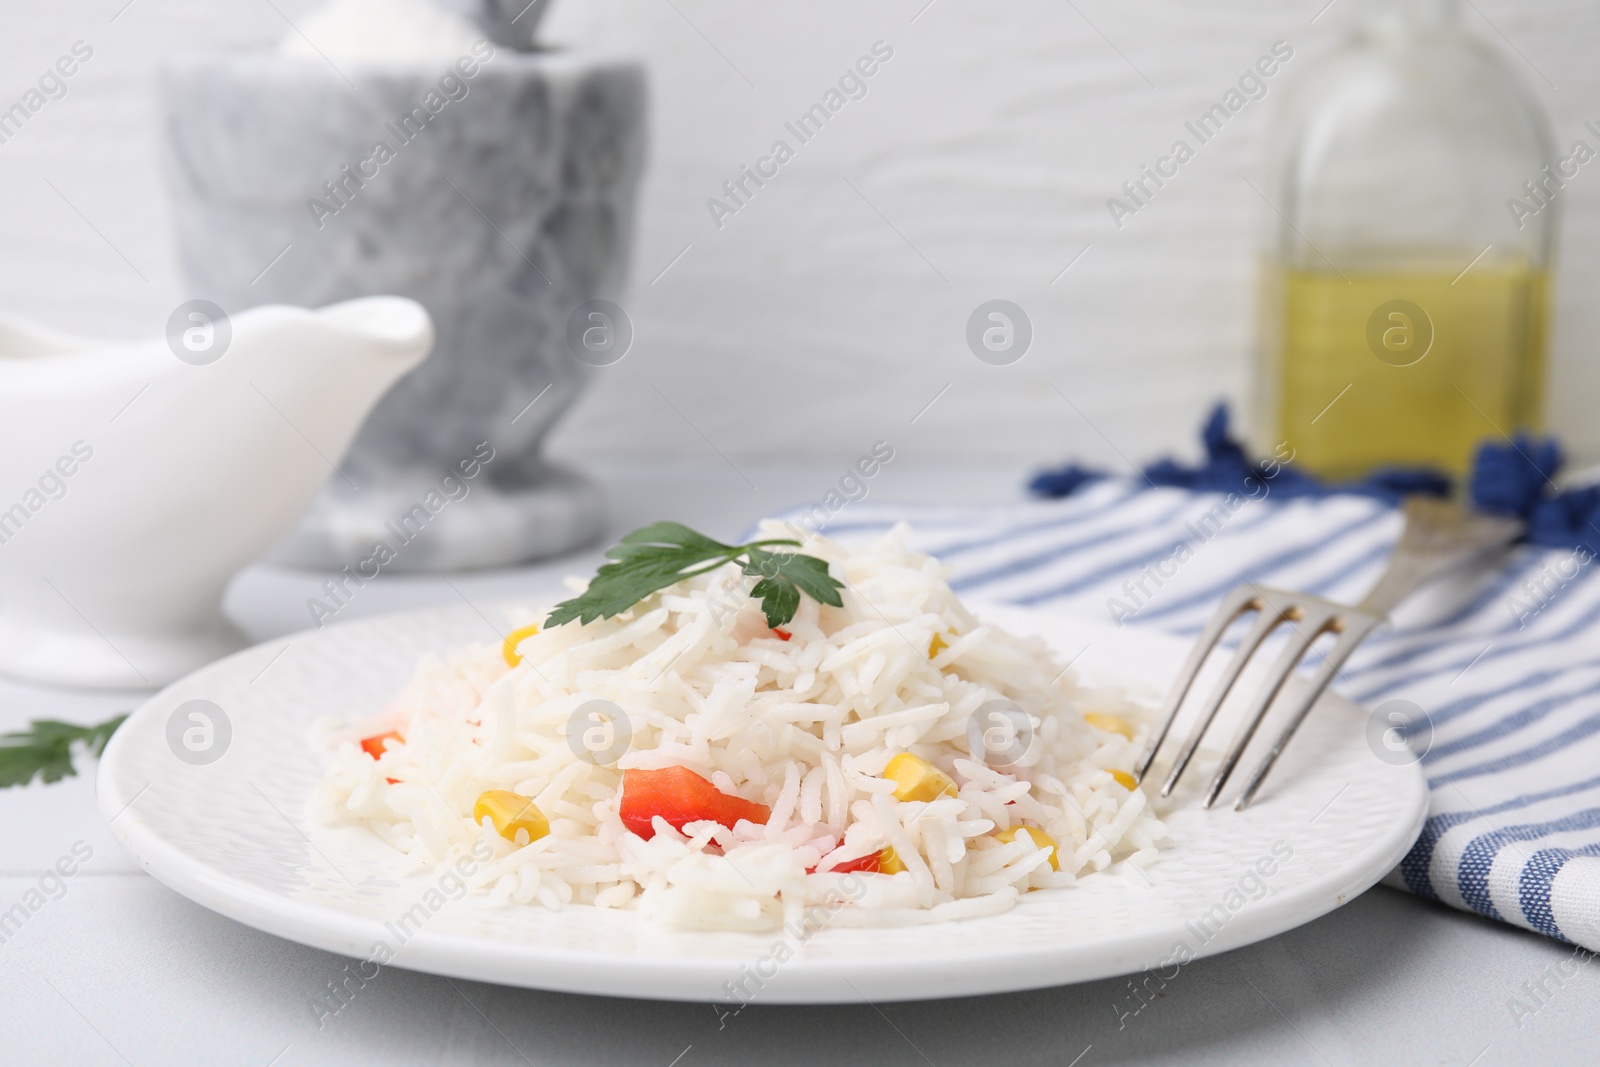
x=841 y=290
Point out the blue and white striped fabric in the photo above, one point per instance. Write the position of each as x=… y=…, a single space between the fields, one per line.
x=1506 y=662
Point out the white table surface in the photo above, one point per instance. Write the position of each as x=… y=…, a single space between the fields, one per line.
x=122 y=970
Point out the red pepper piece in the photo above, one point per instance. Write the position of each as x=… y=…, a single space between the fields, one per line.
x=680 y=796
x=783 y=635
x=373 y=746
x=872 y=863
x=868 y=864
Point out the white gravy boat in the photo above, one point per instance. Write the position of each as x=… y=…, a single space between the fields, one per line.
x=135 y=483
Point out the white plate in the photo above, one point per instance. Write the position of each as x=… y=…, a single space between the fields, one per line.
x=232 y=835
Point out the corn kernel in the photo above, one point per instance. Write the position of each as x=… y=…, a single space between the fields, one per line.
x=508 y=647
x=889 y=861
x=1125 y=780
x=510 y=812
x=1109 y=723
x=917 y=779
x=936 y=646
x=1039 y=838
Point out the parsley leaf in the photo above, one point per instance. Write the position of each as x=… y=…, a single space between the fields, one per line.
x=656 y=556
x=784 y=576
x=44 y=750
x=671 y=535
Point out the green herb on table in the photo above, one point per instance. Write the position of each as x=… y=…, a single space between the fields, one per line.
x=44 y=750
x=652 y=558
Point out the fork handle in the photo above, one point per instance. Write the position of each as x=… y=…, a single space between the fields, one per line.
x=1438 y=536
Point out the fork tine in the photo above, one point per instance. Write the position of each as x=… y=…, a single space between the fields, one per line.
x=1271 y=617
x=1313 y=626
x=1357 y=627
x=1241 y=599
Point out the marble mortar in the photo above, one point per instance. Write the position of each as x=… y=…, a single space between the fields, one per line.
x=502 y=210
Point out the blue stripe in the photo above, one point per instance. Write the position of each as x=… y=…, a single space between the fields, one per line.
x=1417 y=866
x=1508 y=725
x=1076 y=511
x=1265 y=566
x=1543 y=642
x=1077 y=518
x=1537 y=878
x=1056 y=552
x=1424 y=639
x=1457 y=708
x=1318 y=586
x=1477 y=859
x=1523 y=757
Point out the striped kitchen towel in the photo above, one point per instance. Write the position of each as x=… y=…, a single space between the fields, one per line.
x=1505 y=662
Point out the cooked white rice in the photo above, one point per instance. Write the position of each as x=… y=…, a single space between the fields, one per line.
x=805 y=726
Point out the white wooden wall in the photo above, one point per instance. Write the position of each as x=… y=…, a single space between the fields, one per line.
x=830 y=310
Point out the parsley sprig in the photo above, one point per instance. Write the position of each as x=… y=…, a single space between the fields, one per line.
x=44 y=750
x=656 y=556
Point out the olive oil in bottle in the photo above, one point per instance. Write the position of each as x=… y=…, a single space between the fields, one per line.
x=1404 y=295
x=1384 y=367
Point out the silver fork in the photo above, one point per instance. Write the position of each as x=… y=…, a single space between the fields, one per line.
x=1437 y=537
